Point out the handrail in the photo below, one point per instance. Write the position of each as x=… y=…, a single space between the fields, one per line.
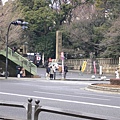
x=28 y=108
x=38 y=109
x=18 y=59
x=64 y=112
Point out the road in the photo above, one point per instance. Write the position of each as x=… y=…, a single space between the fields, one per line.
x=72 y=74
x=69 y=95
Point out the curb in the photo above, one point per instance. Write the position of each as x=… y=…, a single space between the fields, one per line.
x=107 y=89
x=67 y=79
x=85 y=79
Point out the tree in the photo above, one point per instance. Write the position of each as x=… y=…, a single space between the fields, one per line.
x=111 y=33
x=83 y=36
x=41 y=20
x=90 y=35
x=44 y=21
x=84 y=32
x=111 y=43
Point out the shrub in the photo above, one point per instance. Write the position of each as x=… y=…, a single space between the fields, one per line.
x=115 y=81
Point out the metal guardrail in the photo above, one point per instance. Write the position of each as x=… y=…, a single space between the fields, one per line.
x=38 y=109
x=28 y=108
x=19 y=60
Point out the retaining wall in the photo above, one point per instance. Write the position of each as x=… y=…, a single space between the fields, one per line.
x=108 y=64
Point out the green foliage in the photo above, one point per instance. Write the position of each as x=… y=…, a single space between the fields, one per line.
x=99 y=34
x=114 y=7
x=109 y=7
x=90 y=1
x=43 y=23
x=86 y=36
x=25 y=3
x=41 y=20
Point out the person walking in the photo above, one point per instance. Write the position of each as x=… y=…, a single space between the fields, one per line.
x=80 y=70
x=14 y=49
x=18 y=71
x=65 y=71
x=51 y=72
x=54 y=71
x=47 y=72
x=117 y=73
x=23 y=72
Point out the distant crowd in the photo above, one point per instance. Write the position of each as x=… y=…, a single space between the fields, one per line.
x=51 y=71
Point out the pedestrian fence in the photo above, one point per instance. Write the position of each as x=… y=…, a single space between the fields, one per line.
x=38 y=109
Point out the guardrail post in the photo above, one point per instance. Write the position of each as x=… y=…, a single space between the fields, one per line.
x=36 y=106
x=29 y=111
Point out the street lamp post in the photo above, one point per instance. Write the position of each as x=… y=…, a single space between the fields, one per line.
x=17 y=22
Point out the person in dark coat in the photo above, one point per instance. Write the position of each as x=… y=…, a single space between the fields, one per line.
x=80 y=70
x=65 y=71
x=47 y=72
x=51 y=72
x=18 y=71
x=14 y=49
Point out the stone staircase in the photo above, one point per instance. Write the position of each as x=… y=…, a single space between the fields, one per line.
x=17 y=59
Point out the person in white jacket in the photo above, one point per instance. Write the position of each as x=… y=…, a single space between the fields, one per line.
x=117 y=73
x=54 y=70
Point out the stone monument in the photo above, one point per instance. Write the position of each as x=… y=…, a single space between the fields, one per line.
x=58 y=44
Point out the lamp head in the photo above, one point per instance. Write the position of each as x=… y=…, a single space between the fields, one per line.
x=20 y=22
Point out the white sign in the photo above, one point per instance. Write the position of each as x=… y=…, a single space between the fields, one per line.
x=62 y=54
x=38 y=58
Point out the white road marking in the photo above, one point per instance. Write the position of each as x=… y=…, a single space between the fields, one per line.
x=58 y=81
x=73 y=82
x=105 y=96
x=61 y=100
x=71 y=95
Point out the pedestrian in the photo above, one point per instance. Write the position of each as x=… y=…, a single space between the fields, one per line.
x=14 y=49
x=47 y=72
x=18 y=71
x=65 y=71
x=80 y=69
x=23 y=72
x=117 y=73
x=54 y=71
x=51 y=72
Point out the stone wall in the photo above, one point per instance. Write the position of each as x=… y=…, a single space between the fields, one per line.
x=108 y=64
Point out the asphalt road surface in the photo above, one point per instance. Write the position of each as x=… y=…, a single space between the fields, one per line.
x=66 y=95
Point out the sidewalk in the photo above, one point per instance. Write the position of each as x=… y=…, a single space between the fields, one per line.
x=72 y=75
